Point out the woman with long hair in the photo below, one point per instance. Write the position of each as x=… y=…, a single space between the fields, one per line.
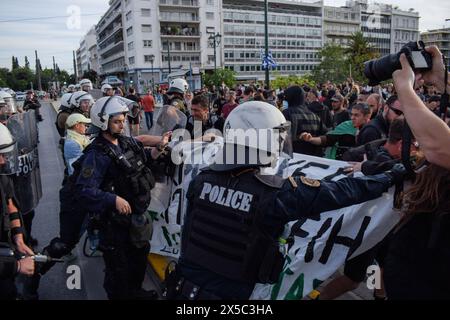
x=417 y=265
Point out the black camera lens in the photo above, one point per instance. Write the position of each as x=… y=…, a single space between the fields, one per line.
x=378 y=70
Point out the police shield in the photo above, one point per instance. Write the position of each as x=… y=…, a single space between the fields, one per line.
x=27 y=181
x=169 y=119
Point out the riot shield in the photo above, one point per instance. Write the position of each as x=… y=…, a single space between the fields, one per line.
x=169 y=119
x=27 y=181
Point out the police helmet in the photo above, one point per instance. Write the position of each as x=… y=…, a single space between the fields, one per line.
x=79 y=96
x=178 y=85
x=106 y=87
x=264 y=128
x=71 y=88
x=10 y=102
x=65 y=100
x=86 y=84
x=107 y=107
x=8 y=152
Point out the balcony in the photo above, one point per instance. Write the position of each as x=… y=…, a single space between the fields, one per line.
x=179 y=32
x=111 y=47
x=179 y=3
x=113 y=57
x=116 y=27
x=105 y=22
x=179 y=17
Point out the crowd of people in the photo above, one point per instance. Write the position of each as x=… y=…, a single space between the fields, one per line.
x=227 y=249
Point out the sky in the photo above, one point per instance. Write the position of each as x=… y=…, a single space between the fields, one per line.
x=58 y=37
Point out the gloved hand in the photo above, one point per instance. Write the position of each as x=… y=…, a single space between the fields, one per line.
x=397 y=173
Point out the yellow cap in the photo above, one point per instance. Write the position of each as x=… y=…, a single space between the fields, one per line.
x=75 y=118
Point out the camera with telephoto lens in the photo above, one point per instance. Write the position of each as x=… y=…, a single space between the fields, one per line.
x=378 y=70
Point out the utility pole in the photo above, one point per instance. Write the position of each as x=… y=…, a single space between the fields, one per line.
x=266 y=38
x=75 y=66
x=215 y=42
x=38 y=71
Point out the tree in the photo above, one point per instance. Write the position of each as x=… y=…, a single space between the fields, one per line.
x=334 y=65
x=20 y=78
x=285 y=82
x=216 y=78
x=15 y=63
x=27 y=63
x=359 y=51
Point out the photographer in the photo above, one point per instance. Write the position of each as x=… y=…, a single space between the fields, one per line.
x=431 y=132
x=419 y=245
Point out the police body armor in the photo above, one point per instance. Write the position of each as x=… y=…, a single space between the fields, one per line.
x=225 y=231
x=133 y=184
x=27 y=181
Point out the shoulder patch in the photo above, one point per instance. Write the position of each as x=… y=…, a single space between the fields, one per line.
x=87 y=172
x=292 y=181
x=310 y=182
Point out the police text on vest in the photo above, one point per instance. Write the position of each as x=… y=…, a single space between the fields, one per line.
x=226 y=197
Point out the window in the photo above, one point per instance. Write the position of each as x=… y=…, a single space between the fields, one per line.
x=147 y=43
x=128 y=16
x=131 y=45
x=131 y=60
x=149 y=58
x=210 y=2
x=146 y=28
x=145 y=12
x=129 y=31
x=210 y=15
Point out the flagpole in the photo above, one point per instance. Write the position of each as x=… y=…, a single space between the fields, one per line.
x=266 y=36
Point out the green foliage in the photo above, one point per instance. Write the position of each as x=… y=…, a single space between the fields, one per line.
x=27 y=63
x=287 y=81
x=358 y=52
x=334 y=65
x=226 y=76
x=337 y=61
x=19 y=79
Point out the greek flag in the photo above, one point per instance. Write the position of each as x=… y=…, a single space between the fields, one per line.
x=267 y=61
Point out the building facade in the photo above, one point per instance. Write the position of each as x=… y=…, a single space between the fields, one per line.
x=339 y=23
x=405 y=28
x=439 y=38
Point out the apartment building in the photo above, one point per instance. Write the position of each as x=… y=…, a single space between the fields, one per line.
x=439 y=38
x=339 y=23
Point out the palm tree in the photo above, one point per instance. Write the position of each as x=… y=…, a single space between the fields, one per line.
x=359 y=50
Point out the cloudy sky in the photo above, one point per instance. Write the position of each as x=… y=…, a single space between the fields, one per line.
x=52 y=27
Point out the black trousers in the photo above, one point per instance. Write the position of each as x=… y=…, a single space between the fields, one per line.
x=125 y=264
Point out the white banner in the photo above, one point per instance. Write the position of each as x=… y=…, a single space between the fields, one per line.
x=320 y=245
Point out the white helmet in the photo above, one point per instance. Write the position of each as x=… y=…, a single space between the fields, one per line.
x=77 y=87
x=258 y=125
x=65 y=100
x=86 y=83
x=106 y=87
x=178 y=85
x=71 y=88
x=8 y=152
x=9 y=101
x=79 y=96
x=107 y=107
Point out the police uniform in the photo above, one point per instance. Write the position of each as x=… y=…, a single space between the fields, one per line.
x=234 y=219
x=104 y=171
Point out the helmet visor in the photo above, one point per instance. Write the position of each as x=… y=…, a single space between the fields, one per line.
x=11 y=106
x=9 y=161
x=169 y=119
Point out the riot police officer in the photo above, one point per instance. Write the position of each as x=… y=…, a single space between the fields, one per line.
x=177 y=89
x=236 y=214
x=86 y=85
x=112 y=180
x=11 y=230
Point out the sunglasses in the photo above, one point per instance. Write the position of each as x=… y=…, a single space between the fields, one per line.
x=396 y=111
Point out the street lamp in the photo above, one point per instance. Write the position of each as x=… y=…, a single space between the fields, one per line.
x=214 y=41
x=152 y=58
